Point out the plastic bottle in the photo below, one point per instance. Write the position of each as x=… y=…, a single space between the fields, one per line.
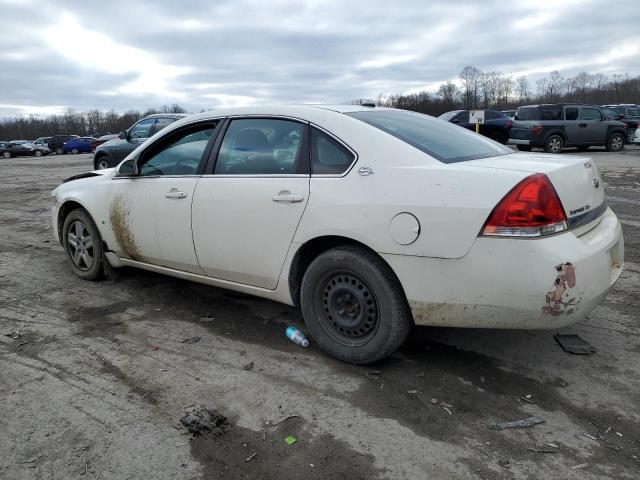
x=296 y=336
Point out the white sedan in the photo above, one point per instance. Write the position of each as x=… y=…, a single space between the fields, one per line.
x=370 y=219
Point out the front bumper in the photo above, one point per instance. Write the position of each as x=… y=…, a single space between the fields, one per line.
x=513 y=283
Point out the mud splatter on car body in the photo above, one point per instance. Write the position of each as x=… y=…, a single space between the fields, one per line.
x=119 y=216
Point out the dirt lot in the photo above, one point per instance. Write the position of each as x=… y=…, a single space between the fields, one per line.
x=98 y=376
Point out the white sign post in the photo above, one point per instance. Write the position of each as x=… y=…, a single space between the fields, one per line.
x=477 y=117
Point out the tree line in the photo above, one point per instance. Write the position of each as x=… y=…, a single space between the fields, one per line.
x=89 y=123
x=475 y=90
x=496 y=90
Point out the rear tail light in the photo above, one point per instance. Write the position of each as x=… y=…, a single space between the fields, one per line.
x=531 y=209
x=537 y=129
x=509 y=124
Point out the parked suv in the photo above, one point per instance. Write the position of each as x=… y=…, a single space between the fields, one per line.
x=616 y=114
x=496 y=124
x=555 y=126
x=111 y=153
x=56 y=142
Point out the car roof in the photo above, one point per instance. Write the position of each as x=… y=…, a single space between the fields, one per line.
x=166 y=115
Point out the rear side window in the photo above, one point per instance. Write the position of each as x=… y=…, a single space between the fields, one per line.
x=551 y=113
x=571 y=113
x=328 y=157
x=444 y=141
x=633 y=112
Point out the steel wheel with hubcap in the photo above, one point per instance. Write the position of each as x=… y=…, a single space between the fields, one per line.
x=83 y=245
x=59 y=151
x=75 y=151
x=6 y=154
x=615 y=143
x=554 y=144
x=38 y=153
x=353 y=305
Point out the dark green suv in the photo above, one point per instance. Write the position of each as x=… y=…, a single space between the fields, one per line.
x=555 y=126
x=111 y=153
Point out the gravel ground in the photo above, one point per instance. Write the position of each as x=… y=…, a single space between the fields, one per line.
x=98 y=376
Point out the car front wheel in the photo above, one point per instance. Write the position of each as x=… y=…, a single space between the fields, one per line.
x=354 y=306
x=38 y=153
x=75 y=151
x=615 y=142
x=59 y=151
x=554 y=144
x=102 y=163
x=83 y=245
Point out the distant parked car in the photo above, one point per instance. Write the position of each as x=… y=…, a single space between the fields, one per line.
x=102 y=139
x=78 y=145
x=496 y=124
x=111 y=153
x=555 y=126
x=38 y=150
x=57 y=142
x=13 y=149
x=627 y=109
x=42 y=141
x=632 y=125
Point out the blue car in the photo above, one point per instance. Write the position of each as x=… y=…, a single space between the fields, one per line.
x=78 y=145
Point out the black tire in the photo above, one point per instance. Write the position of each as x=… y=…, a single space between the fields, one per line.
x=38 y=153
x=524 y=148
x=615 y=143
x=101 y=162
x=554 y=143
x=376 y=319
x=59 y=151
x=6 y=155
x=80 y=265
x=583 y=148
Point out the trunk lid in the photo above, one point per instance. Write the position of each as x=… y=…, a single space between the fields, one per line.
x=576 y=179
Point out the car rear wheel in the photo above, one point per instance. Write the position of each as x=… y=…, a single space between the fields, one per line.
x=6 y=154
x=83 y=245
x=74 y=151
x=59 y=151
x=524 y=148
x=554 y=144
x=615 y=142
x=354 y=306
x=38 y=153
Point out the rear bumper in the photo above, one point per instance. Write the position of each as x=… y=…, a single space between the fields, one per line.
x=515 y=283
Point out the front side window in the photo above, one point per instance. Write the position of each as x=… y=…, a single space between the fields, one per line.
x=328 y=157
x=443 y=141
x=179 y=155
x=141 y=129
x=262 y=146
x=590 y=114
x=571 y=113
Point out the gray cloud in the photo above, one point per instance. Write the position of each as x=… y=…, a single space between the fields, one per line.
x=203 y=54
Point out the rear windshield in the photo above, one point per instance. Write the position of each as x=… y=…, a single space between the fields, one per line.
x=444 y=141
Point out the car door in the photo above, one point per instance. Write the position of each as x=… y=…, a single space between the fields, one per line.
x=150 y=213
x=246 y=209
x=593 y=129
x=573 y=131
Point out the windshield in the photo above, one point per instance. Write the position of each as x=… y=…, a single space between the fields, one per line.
x=442 y=140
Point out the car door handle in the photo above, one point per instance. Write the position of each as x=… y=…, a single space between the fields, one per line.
x=175 y=194
x=582 y=125
x=287 y=197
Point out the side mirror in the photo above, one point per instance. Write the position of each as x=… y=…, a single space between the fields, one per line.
x=128 y=168
x=123 y=135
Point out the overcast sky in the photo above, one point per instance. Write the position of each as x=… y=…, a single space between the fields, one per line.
x=211 y=53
